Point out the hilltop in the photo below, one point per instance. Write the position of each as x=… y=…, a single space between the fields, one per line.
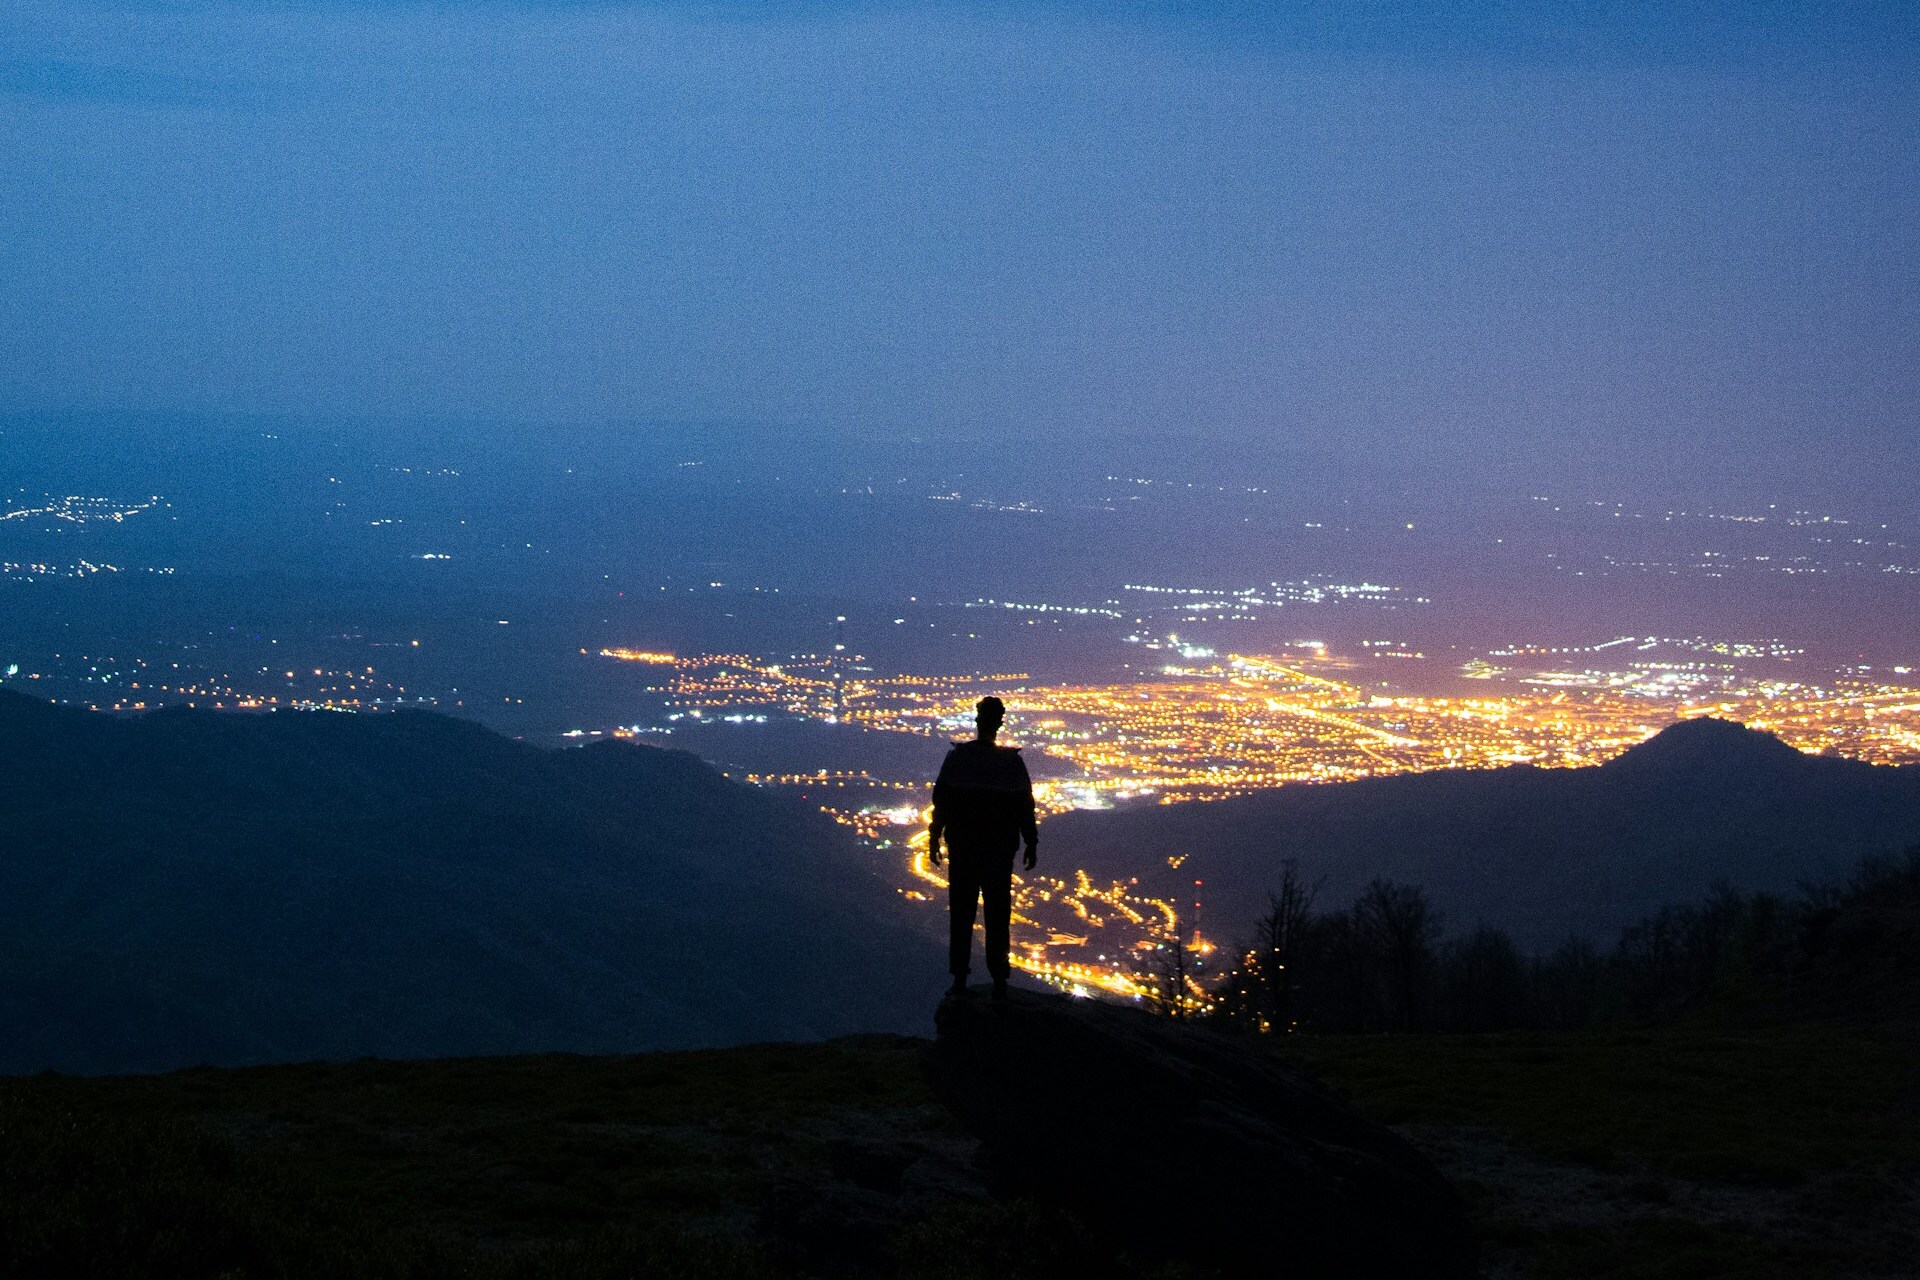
x=1542 y=853
x=1767 y=1152
x=188 y=886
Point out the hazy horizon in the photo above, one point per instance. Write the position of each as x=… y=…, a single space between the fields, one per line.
x=967 y=337
x=1665 y=250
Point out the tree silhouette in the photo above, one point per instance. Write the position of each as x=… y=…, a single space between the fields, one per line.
x=1404 y=927
x=1483 y=982
x=1381 y=964
x=1280 y=938
x=1168 y=974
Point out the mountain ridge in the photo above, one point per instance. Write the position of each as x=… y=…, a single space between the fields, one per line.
x=1542 y=853
x=1710 y=741
x=192 y=886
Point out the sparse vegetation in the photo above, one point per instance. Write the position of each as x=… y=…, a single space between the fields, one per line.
x=1383 y=965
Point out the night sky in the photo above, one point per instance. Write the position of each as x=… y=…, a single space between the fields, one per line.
x=1615 y=243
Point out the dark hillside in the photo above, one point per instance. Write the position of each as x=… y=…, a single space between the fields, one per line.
x=192 y=887
x=1541 y=853
x=1771 y=1152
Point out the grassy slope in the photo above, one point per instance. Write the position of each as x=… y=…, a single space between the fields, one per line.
x=499 y=1165
x=1706 y=1150
x=1791 y=1150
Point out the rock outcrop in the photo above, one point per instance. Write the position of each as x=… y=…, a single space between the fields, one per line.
x=1188 y=1144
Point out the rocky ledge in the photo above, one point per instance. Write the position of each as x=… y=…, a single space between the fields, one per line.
x=1188 y=1144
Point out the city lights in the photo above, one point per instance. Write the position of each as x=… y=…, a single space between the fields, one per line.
x=1213 y=727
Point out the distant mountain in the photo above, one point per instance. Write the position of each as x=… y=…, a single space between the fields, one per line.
x=190 y=886
x=1542 y=853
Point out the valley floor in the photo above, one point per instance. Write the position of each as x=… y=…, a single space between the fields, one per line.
x=1790 y=1150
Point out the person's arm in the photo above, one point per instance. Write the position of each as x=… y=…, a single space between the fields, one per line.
x=1029 y=822
x=938 y=823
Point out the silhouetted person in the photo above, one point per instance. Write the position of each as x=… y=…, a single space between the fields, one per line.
x=983 y=806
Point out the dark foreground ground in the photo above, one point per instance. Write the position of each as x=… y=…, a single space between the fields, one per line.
x=1789 y=1150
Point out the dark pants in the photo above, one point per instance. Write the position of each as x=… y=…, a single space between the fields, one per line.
x=973 y=876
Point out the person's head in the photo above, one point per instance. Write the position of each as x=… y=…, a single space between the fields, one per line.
x=988 y=714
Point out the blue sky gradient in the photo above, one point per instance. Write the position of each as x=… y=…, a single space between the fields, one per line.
x=1608 y=242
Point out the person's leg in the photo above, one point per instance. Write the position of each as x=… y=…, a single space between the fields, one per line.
x=996 y=889
x=963 y=895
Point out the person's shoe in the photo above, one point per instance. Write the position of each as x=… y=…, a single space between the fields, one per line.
x=959 y=987
x=999 y=988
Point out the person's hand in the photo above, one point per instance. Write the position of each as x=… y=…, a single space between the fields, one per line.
x=1033 y=856
x=933 y=852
